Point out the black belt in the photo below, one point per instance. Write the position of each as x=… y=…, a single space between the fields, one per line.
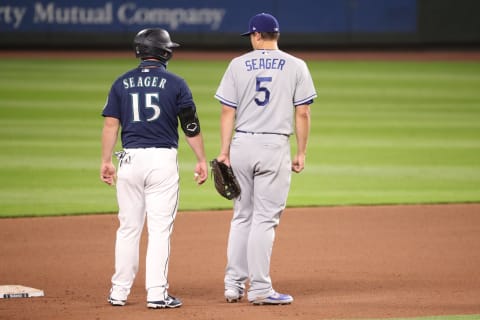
x=251 y=132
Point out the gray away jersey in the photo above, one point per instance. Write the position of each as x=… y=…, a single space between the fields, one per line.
x=264 y=86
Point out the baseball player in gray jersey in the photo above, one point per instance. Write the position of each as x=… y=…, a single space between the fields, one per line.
x=263 y=93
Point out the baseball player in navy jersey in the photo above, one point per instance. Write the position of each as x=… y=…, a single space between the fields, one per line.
x=265 y=96
x=147 y=103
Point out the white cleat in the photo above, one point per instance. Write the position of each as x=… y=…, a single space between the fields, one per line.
x=233 y=296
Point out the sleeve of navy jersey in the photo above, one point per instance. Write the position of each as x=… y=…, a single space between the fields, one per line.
x=147 y=101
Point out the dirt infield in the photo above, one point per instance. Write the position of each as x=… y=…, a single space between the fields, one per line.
x=337 y=262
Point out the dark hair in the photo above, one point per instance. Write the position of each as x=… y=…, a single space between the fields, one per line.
x=270 y=35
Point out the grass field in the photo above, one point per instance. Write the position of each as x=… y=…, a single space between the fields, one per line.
x=382 y=133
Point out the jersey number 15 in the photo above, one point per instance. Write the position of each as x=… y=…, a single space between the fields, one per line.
x=151 y=100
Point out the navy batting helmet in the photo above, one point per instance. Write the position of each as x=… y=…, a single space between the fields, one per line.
x=154 y=43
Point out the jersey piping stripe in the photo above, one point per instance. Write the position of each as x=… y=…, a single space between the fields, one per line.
x=305 y=100
x=226 y=101
x=303 y=103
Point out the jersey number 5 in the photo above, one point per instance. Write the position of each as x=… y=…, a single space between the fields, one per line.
x=259 y=88
x=150 y=103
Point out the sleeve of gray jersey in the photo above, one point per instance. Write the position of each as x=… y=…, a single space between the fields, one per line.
x=305 y=87
x=226 y=92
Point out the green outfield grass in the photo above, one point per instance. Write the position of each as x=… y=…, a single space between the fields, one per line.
x=382 y=133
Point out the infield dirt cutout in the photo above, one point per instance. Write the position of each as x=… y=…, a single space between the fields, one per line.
x=337 y=262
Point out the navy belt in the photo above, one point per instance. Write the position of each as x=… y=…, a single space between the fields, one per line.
x=251 y=132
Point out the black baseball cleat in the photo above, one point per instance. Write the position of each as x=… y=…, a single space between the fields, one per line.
x=170 y=302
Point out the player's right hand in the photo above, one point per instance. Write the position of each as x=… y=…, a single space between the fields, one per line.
x=108 y=173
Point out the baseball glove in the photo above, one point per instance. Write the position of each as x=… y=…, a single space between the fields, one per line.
x=224 y=179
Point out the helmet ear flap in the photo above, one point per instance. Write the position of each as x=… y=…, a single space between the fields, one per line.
x=138 y=51
x=166 y=54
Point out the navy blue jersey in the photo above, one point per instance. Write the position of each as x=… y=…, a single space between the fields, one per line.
x=147 y=101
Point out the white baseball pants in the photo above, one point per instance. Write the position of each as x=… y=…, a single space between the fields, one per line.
x=147 y=187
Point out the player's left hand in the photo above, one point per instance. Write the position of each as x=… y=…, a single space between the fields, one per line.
x=224 y=158
x=201 y=172
x=298 y=163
